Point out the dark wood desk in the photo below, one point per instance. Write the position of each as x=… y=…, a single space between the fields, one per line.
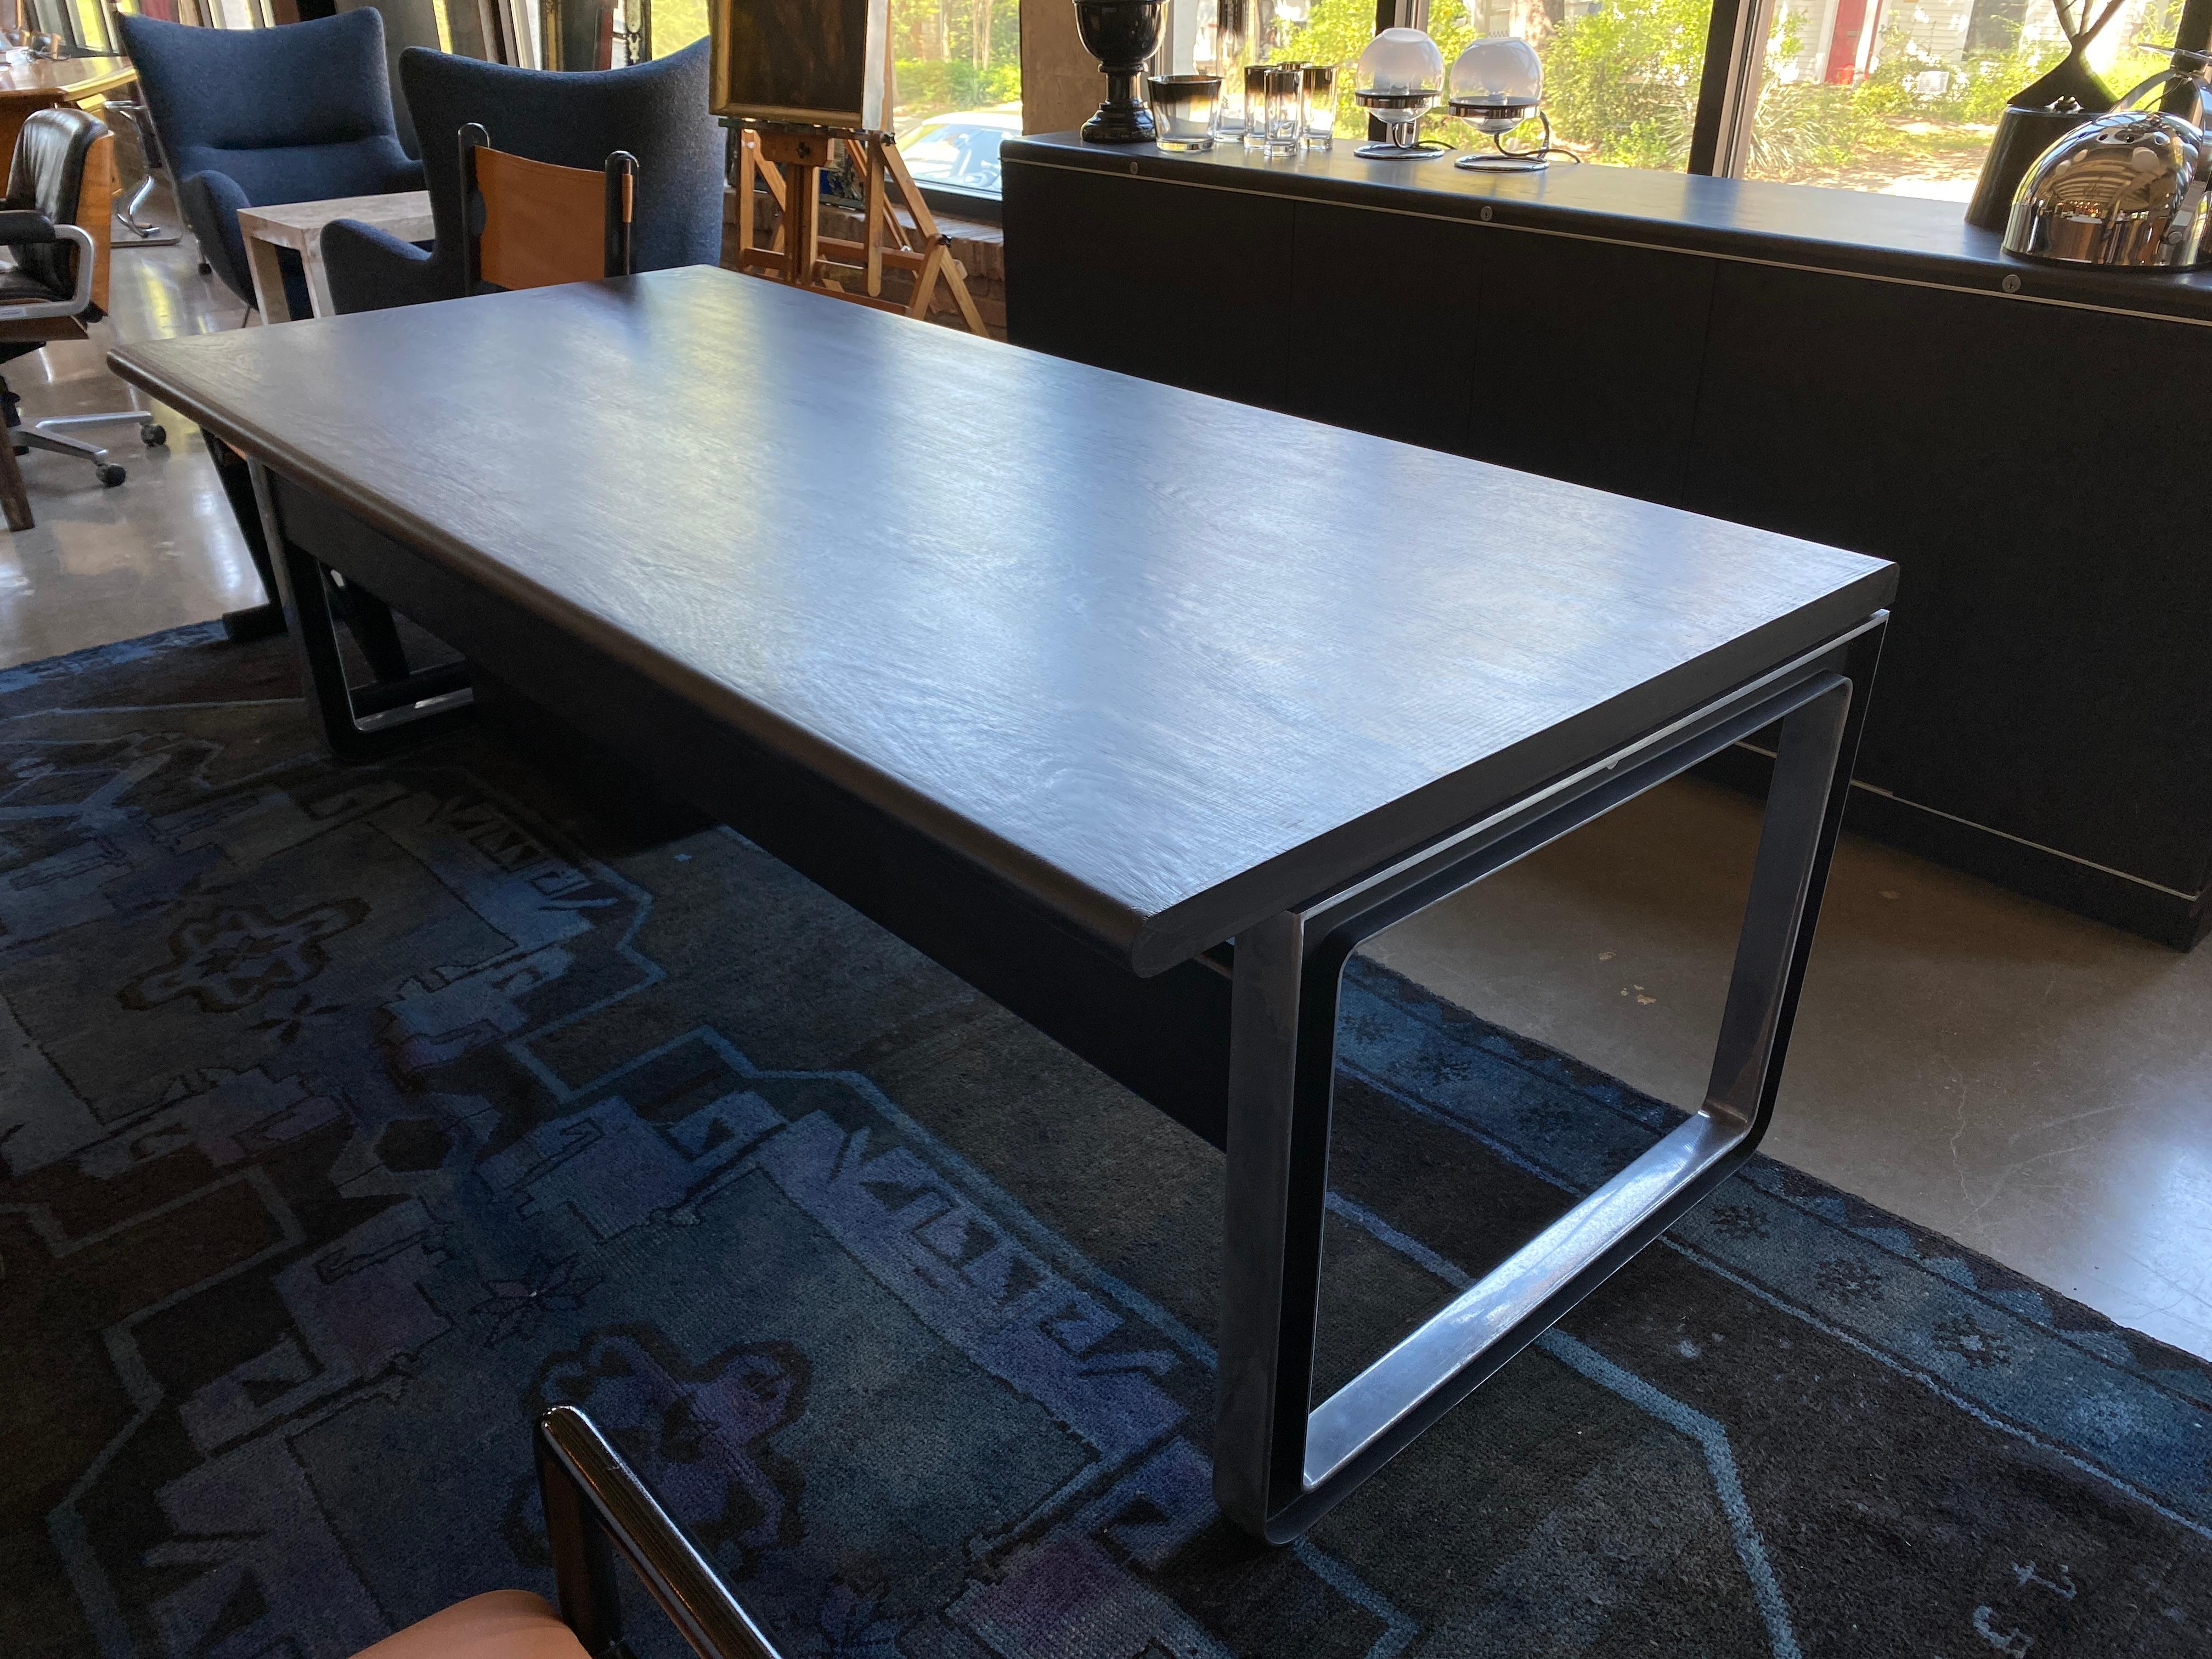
x=1071 y=680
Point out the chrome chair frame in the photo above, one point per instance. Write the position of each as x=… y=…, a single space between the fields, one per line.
x=79 y=295
x=596 y=1508
x=140 y=120
x=47 y=434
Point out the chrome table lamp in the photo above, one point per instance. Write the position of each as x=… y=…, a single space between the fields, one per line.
x=1497 y=85
x=1399 y=78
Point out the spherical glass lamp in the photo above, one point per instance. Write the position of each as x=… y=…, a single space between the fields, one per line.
x=1399 y=78
x=1497 y=84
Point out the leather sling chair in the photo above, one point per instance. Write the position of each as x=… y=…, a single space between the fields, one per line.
x=597 y=1511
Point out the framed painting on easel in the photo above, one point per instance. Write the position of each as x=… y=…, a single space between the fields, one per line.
x=806 y=62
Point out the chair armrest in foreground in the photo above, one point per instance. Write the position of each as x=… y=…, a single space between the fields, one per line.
x=77 y=301
x=595 y=1505
x=19 y=226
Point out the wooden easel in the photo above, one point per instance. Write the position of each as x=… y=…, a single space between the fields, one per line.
x=788 y=160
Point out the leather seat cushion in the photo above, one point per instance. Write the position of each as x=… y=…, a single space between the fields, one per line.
x=20 y=287
x=499 y=1624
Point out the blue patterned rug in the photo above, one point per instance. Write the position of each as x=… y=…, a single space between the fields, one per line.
x=350 y=1115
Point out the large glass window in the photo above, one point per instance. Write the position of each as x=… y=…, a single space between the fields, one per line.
x=956 y=75
x=1904 y=98
x=676 y=24
x=1620 y=77
x=957 y=67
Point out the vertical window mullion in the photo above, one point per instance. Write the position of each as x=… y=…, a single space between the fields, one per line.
x=1728 y=85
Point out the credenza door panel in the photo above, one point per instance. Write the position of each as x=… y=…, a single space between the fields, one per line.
x=1181 y=285
x=2030 y=469
x=1588 y=357
x=1382 y=310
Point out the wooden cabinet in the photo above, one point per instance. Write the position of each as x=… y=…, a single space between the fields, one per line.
x=1383 y=333
x=1176 y=293
x=2044 y=715
x=2046 y=672
x=1589 y=354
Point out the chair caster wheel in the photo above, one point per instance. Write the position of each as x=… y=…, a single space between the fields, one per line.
x=110 y=475
x=153 y=435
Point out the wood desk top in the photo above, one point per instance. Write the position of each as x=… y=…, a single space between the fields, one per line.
x=69 y=78
x=405 y=214
x=1164 y=663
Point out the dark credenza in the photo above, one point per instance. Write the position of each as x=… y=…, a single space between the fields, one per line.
x=1863 y=371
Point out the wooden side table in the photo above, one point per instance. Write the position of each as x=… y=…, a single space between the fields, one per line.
x=299 y=226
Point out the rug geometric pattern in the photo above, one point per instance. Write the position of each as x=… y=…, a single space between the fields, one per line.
x=351 y=1115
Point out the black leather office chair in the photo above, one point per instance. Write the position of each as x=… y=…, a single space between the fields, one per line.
x=48 y=261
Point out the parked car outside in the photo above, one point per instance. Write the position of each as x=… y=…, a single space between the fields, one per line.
x=960 y=148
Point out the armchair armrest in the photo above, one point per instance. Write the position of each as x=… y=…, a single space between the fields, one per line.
x=20 y=225
x=596 y=1505
x=79 y=301
x=371 y=269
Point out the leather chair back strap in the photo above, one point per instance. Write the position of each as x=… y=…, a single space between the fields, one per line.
x=530 y=224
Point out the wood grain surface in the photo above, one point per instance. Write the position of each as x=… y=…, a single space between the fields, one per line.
x=1164 y=663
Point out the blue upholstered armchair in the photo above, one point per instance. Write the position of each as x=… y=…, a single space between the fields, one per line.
x=656 y=111
x=252 y=118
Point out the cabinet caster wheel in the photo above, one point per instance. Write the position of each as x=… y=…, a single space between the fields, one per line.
x=110 y=475
x=153 y=435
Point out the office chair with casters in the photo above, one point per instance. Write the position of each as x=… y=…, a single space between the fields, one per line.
x=530 y=224
x=597 y=1510
x=54 y=235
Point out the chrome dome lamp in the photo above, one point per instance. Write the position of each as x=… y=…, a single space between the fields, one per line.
x=1497 y=84
x=2124 y=191
x=1400 y=79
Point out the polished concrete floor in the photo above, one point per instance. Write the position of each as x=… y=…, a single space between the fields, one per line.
x=160 y=548
x=2037 y=1086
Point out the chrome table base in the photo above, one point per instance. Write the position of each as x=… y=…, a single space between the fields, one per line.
x=358 y=722
x=1280 y=1462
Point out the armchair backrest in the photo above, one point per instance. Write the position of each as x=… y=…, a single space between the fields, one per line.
x=308 y=102
x=47 y=176
x=656 y=111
